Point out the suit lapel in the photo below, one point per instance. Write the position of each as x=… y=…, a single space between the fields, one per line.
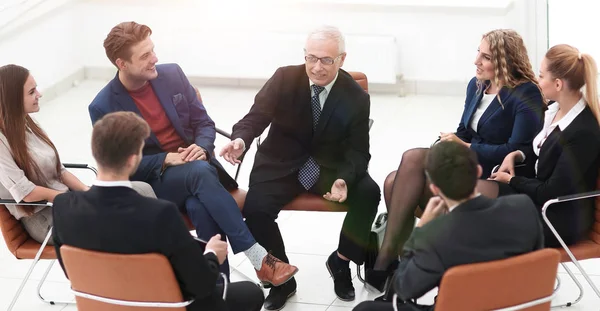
x=491 y=109
x=124 y=100
x=329 y=107
x=471 y=109
x=167 y=103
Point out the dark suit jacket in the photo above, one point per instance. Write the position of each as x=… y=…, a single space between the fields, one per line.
x=119 y=220
x=568 y=164
x=502 y=130
x=185 y=111
x=340 y=143
x=478 y=230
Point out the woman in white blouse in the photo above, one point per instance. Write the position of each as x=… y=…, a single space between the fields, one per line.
x=30 y=168
x=566 y=150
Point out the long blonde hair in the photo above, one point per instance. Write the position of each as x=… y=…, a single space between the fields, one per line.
x=509 y=57
x=576 y=69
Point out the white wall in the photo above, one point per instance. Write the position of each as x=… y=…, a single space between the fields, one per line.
x=46 y=46
x=252 y=38
x=427 y=41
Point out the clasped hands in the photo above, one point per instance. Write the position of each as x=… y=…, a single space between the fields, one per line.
x=183 y=155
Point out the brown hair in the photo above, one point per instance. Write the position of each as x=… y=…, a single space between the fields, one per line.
x=452 y=167
x=14 y=123
x=116 y=136
x=509 y=56
x=576 y=70
x=122 y=37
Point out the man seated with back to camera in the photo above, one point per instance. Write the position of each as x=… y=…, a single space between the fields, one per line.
x=459 y=226
x=111 y=217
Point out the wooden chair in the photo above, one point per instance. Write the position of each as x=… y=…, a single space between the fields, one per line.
x=122 y=282
x=22 y=246
x=523 y=282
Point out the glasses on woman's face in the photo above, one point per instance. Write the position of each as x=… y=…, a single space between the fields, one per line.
x=324 y=60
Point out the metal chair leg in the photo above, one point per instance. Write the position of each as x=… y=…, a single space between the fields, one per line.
x=39 y=288
x=14 y=300
x=568 y=304
x=35 y=261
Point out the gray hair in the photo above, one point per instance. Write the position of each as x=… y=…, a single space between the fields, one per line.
x=329 y=33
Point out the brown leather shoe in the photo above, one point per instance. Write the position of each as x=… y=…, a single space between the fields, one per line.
x=275 y=271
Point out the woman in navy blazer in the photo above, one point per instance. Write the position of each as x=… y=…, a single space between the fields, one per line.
x=567 y=149
x=503 y=112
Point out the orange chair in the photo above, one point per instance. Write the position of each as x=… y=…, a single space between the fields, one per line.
x=22 y=246
x=122 y=282
x=586 y=249
x=524 y=282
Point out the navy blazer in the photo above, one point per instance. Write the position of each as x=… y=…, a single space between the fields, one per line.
x=503 y=128
x=183 y=108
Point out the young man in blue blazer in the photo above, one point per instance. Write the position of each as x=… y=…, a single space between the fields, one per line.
x=178 y=157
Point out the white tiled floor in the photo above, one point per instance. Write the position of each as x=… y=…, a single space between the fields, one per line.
x=400 y=124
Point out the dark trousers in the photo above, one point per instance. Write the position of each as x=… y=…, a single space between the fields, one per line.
x=195 y=186
x=266 y=199
x=241 y=296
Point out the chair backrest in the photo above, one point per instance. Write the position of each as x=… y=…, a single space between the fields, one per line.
x=500 y=283
x=361 y=79
x=130 y=277
x=12 y=230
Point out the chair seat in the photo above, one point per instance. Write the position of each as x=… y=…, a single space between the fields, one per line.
x=586 y=249
x=314 y=203
x=29 y=249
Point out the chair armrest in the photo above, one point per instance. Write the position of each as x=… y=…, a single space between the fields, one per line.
x=80 y=166
x=578 y=196
x=36 y=203
x=222 y=132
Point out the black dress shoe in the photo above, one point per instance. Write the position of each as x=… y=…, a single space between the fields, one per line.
x=342 y=282
x=278 y=295
x=377 y=279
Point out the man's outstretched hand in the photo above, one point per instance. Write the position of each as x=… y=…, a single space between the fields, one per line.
x=232 y=151
x=339 y=192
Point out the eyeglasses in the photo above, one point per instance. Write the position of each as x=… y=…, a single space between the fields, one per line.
x=324 y=60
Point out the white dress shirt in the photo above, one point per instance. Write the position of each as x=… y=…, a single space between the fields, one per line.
x=484 y=103
x=323 y=95
x=549 y=125
x=114 y=183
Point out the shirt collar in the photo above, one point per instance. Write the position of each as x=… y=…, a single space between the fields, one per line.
x=328 y=86
x=570 y=116
x=116 y=183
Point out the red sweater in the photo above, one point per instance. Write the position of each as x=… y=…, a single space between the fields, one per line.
x=146 y=101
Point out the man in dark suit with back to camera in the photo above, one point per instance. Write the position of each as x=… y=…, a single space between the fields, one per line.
x=318 y=143
x=459 y=226
x=111 y=217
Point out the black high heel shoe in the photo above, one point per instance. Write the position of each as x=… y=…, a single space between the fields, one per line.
x=378 y=279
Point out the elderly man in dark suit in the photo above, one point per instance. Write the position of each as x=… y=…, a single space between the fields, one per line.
x=318 y=143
